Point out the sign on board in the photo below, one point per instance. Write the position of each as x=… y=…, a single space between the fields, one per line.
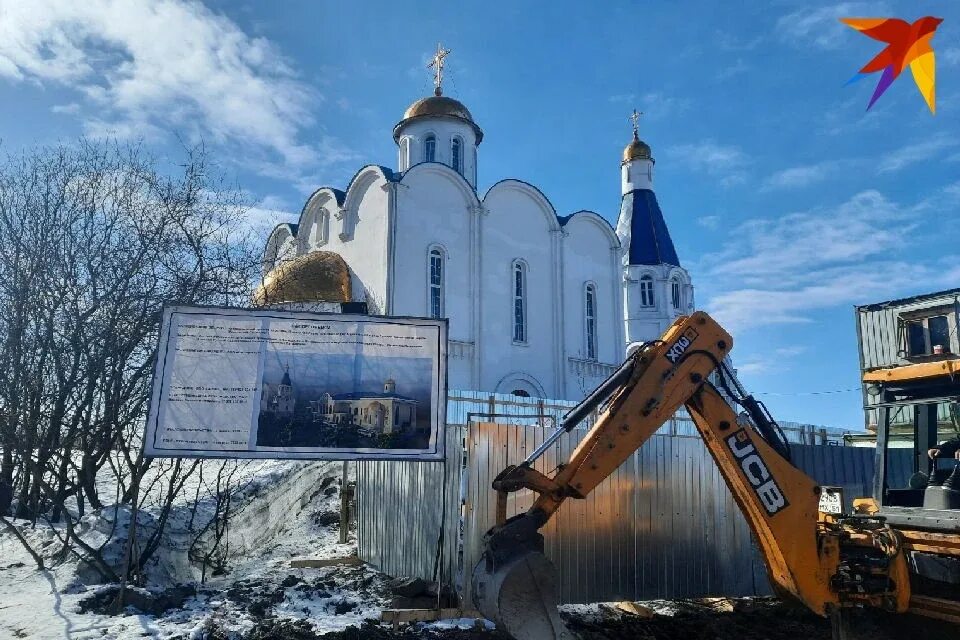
x=261 y=383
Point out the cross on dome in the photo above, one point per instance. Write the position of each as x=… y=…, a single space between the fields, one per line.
x=437 y=65
x=635 y=119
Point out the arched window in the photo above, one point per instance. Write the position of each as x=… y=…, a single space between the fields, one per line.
x=676 y=294
x=590 y=321
x=404 y=154
x=430 y=148
x=520 y=393
x=321 y=230
x=435 y=283
x=456 y=155
x=646 y=292
x=519 y=302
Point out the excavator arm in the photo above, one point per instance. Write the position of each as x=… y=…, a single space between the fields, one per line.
x=822 y=561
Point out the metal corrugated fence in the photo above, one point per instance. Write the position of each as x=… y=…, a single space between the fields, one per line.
x=664 y=525
x=401 y=507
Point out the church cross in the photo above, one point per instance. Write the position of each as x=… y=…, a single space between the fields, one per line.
x=635 y=119
x=437 y=65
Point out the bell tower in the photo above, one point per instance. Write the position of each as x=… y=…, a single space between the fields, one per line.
x=656 y=288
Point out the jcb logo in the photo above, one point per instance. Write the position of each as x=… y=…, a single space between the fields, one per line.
x=756 y=472
x=677 y=349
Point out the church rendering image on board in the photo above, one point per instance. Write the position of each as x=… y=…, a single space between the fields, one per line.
x=540 y=303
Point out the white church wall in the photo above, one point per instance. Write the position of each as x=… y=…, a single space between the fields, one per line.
x=520 y=224
x=358 y=232
x=281 y=245
x=590 y=255
x=434 y=209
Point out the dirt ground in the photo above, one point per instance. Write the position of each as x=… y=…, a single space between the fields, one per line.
x=737 y=619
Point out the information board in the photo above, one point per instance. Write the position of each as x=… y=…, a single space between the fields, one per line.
x=261 y=383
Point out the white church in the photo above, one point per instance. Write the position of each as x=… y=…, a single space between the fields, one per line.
x=540 y=304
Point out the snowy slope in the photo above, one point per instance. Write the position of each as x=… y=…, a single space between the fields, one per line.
x=279 y=518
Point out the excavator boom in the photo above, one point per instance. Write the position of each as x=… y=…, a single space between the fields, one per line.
x=514 y=583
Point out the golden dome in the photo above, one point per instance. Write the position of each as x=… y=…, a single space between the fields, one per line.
x=320 y=276
x=636 y=150
x=437 y=106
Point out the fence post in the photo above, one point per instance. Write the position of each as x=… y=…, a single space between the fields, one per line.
x=346 y=497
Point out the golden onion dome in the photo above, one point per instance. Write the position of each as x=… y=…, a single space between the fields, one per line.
x=320 y=276
x=636 y=150
x=437 y=106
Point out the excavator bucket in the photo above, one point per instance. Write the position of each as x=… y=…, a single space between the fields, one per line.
x=520 y=597
x=515 y=585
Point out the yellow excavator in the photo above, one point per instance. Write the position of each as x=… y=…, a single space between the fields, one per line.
x=882 y=556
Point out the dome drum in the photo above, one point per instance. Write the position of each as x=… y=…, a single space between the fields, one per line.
x=437 y=106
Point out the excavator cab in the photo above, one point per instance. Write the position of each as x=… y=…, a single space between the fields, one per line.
x=915 y=412
x=916 y=408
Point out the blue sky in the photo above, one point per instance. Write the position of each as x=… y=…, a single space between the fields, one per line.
x=788 y=202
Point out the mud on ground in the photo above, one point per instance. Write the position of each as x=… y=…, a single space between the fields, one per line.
x=717 y=619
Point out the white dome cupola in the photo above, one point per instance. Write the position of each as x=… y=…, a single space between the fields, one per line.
x=439 y=129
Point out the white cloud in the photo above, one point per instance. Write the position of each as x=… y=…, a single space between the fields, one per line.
x=725 y=162
x=800 y=176
x=657 y=105
x=950 y=56
x=732 y=70
x=139 y=67
x=890 y=161
x=821 y=27
x=709 y=222
x=623 y=97
x=777 y=270
x=730 y=42
x=911 y=154
x=769 y=360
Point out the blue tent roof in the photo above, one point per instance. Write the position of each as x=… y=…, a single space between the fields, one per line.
x=650 y=241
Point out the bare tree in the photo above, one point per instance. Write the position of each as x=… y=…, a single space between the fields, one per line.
x=95 y=239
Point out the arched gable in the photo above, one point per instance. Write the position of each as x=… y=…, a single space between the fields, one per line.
x=358 y=187
x=281 y=234
x=441 y=170
x=595 y=219
x=534 y=194
x=363 y=180
x=323 y=198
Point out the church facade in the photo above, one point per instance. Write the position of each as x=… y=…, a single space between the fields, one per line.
x=539 y=304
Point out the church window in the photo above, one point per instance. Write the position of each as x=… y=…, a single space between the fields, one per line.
x=646 y=292
x=430 y=148
x=590 y=321
x=322 y=228
x=404 y=154
x=519 y=302
x=676 y=294
x=435 y=283
x=456 y=155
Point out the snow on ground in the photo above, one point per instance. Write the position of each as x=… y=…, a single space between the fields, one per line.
x=286 y=513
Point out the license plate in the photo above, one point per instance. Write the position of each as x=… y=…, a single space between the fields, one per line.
x=831 y=500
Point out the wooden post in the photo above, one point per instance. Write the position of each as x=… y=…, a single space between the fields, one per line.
x=346 y=494
x=131 y=539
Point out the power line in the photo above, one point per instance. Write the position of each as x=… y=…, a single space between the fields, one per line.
x=806 y=393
